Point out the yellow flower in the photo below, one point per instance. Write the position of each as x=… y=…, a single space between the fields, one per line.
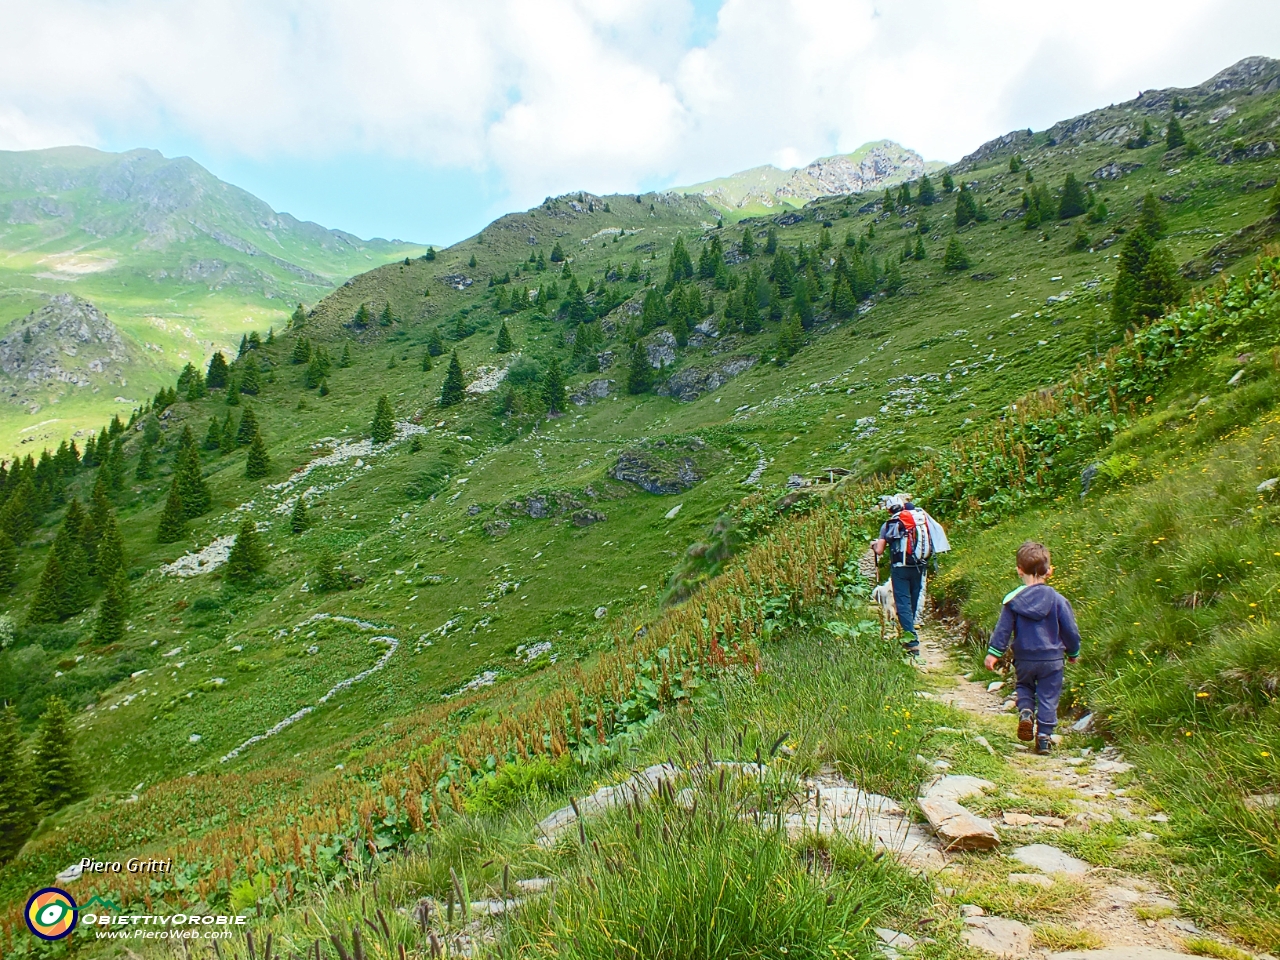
x=1201 y=695
x=1265 y=753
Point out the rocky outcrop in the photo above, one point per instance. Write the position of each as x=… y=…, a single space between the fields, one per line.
x=692 y=382
x=654 y=472
x=67 y=343
x=595 y=390
x=661 y=349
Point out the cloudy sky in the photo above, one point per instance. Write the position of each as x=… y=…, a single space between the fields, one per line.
x=424 y=119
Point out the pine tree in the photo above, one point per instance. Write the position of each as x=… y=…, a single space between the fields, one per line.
x=227 y=436
x=173 y=522
x=196 y=498
x=893 y=279
x=73 y=563
x=386 y=319
x=327 y=575
x=298 y=520
x=747 y=246
x=426 y=361
x=345 y=360
x=113 y=609
x=553 y=394
x=904 y=195
x=919 y=253
x=301 y=351
x=258 y=464
x=8 y=563
x=504 y=338
x=435 y=343
x=109 y=551
x=1159 y=286
x=955 y=258
x=47 y=601
x=233 y=392
x=1151 y=219
x=299 y=318
x=248 y=428
x=248 y=558
x=1175 y=136
x=948 y=184
x=249 y=382
x=58 y=776
x=928 y=196
x=454 y=386
x=218 y=372
x=557 y=253
x=842 y=300
x=17 y=805
x=384 y=421
x=361 y=319
x=1073 y=201
x=640 y=373
x=680 y=330
x=213 y=436
x=966 y=206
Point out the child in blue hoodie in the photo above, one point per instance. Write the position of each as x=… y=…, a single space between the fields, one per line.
x=1042 y=626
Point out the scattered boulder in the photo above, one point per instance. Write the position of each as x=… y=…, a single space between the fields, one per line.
x=585 y=518
x=661 y=349
x=1114 y=171
x=691 y=382
x=955 y=827
x=998 y=936
x=497 y=528
x=1050 y=859
x=655 y=474
x=595 y=390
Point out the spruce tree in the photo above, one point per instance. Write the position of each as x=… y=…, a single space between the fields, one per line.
x=345 y=360
x=227 y=435
x=553 y=394
x=926 y=192
x=361 y=319
x=47 y=601
x=258 y=464
x=299 y=318
x=1073 y=201
x=196 y=498
x=504 y=339
x=386 y=318
x=110 y=557
x=58 y=775
x=966 y=206
x=327 y=575
x=8 y=563
x=213 y=436
x=426 y=361
x=948 y=184
x=233 y=392
x=383 y=428
x=249 y=382
x=919 y=253
x=747 y=246
x=842 y=301
x=904 y=195
x=218 y=372
x=435 y=343
x=301 y=351
x=196 y=386
x=17 y=813
x=173 y=521
x=1159 y=286
x=557 y=253
x=113 y=609
x=298 y=520
x=680 y=330
x=248 y=428
x=639 y=373
x=248 y=557
x=1151 y=219
x=955 y=258
x=1175 y=136
x=454 y=386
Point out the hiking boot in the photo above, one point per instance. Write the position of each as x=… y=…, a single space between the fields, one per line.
x=1044 y=746
x=1026 y=725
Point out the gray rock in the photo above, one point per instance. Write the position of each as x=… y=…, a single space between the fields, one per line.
x=957 y=828
x=1120 y=953
x=473 y=510
x=1050 y=859
x=1083 y=725
x=601 y=612
x=661 y=349
x=654 y=475
x=691 y=382
x=1114 y=171
x=497 y=528
x=955 y=787
x=1268 y=485
x=585 y=518
x=1086 y=477
x=895 y=939
x=971 y=910
x=1004 y=938
x=595 y=390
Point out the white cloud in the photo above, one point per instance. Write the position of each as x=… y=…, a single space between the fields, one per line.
x=602 y=94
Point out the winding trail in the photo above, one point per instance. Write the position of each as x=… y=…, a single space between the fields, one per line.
x=393 y=644
x=1130 y=916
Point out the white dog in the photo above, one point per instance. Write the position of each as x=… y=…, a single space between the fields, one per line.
x=882 y=595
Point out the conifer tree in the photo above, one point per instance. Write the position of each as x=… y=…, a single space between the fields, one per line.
x=298 y=520
x=249 y=382
x=18 y=515
x=557 y=253
x=248 y=428
x=73 y=563
x=747 y=246
x=454 y=386
x=227 y=435
x=218 y=371
x=386 y=319
x=948 y=184
x=299 y=318
x=1151 y=219
x=301 y=351
x=109 y=552
x=248 y=557
x=435 y=343
x=553 y=394
x=1175 y=136
x=145 y=469
x=680 y=330
x=233 y=391
x=113 y=610
x=504 y=339
x=173 y=521
x=966 y=206
x=345 y=360
x=842 y=300
x=327 y=575
x=58 y=776
x=196 y=498
x=955 y=258
x=904 y=195
x=1073 y=201
x=115 y=463
x=460 y=330
x=926 y=192
x=17 y=805
x=213 y=436
x=258 y=464
x=361 y=319
x=384 y=421
x=893 y=279
x=8 y=563
x=426 y=361
x=639 y=373
x=919 y=253
x=47 y=601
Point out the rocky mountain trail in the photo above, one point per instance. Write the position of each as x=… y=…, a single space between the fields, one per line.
x=1121 y=916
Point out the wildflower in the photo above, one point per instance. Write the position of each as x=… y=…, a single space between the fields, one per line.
x=1201 y=695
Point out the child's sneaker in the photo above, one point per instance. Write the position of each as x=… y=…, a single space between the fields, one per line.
x=1044 y=746
x=1026 y=725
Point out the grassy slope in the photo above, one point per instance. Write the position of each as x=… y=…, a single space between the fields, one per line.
x=120 y=230
x=801 y=417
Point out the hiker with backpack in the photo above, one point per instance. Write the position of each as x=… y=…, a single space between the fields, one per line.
x=913 y=539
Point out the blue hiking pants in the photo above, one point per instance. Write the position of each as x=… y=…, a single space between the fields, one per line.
x=906 y=598
x=1039 y=687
